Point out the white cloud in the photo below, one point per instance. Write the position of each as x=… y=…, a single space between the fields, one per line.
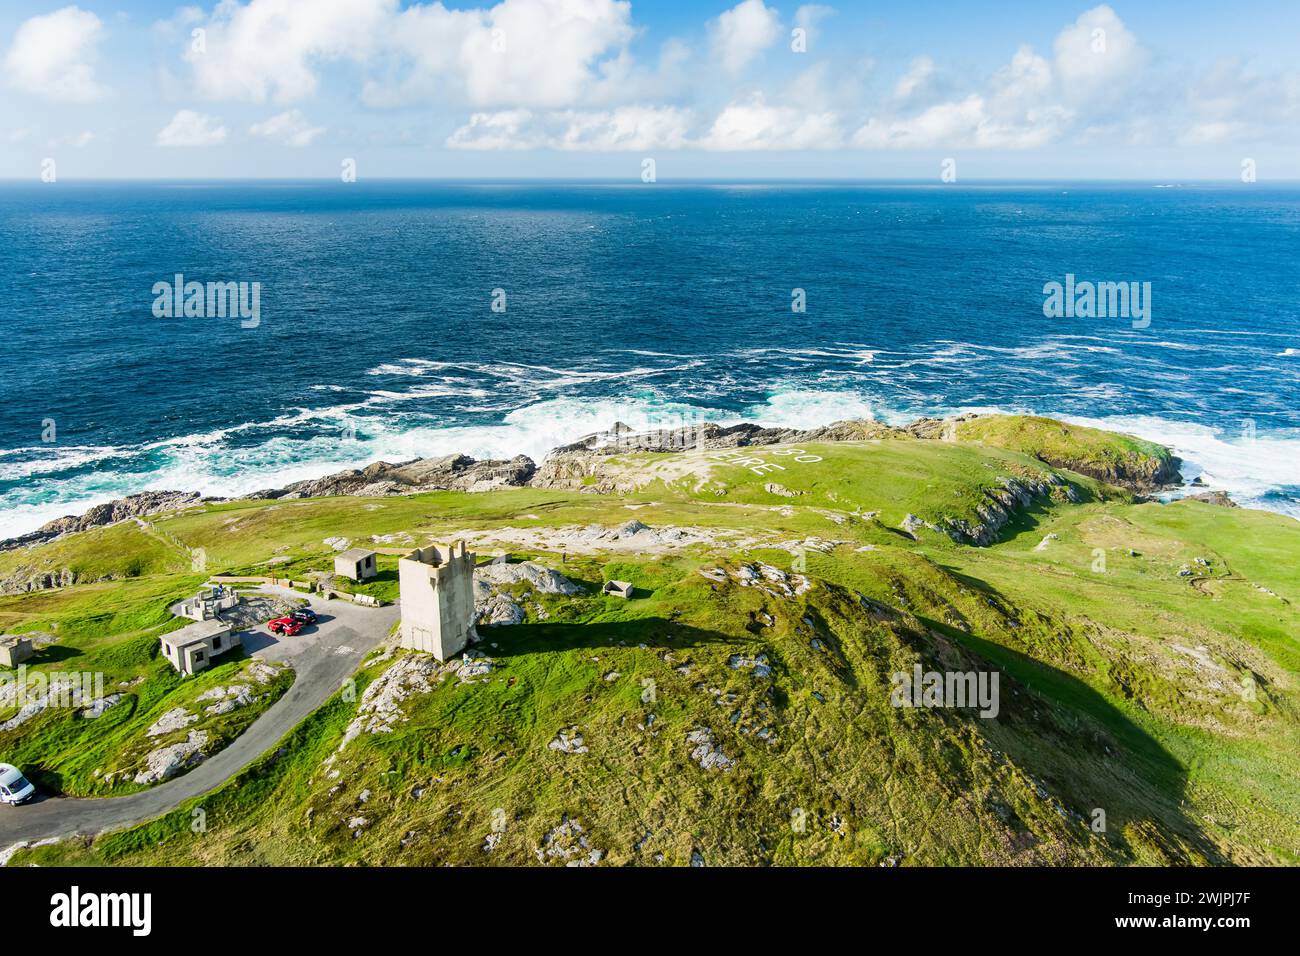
x=624 y=80
x=545 y=53
x=808 y=16
x=626 y=128
x=947 y=124
x=1026 y=80
x=54 y=56
x=541 y=53
x=271 y=49
x=757 y=126
x=189 y=128
x=562 y=75
x=1226 y=102
x=1028 y=103
x=967 y=123
x=916 y=80
x=508 y=129
x=742 y=33
x=1213 y=132
x=752 y=125
x=1097 y=55
x=289 y=128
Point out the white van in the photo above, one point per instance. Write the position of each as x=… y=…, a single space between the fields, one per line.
x=14 y=787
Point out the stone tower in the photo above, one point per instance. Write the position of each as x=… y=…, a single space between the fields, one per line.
x=437 y=593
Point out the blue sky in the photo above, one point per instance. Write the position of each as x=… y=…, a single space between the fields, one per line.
x=1157 y=90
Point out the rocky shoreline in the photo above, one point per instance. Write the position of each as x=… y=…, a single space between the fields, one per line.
x=583 y=466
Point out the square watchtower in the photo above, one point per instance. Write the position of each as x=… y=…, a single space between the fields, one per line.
x=437 y=593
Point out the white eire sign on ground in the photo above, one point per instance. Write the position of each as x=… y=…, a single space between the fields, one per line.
x=758 y=466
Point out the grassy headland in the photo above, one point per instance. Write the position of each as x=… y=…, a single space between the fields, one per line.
x=1147 y=654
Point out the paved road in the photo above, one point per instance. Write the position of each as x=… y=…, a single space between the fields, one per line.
x=324 y=656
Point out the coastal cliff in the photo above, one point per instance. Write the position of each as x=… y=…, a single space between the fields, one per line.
x=596 y=464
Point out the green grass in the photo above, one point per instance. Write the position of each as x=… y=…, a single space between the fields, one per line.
x=111 y=630
x=1088 y=451
x=118 y=551
x=1124 y=684
x=66 y=753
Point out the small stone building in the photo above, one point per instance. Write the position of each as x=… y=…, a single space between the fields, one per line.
x=192 y=648
x=15 y=650
x=437 y=594
x=621 y=589
x=356 y=563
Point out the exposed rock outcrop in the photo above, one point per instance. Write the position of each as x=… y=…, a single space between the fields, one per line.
x=1136 y=474
x=581 y=464
x=1220 y=498
x=706 y=751
x=26 y=579
x=132 y=506
x=1001 y=505
x=998 y=507
x=591 y=464
x=493 y=606
x=166 y=762
x=622 y=439
x=380 y=707
x=937 y=429
x=227 y=698
x=175 y=719
x=632 y=537
x=537 y=576
x=448 y=473
x=62 y=691
x=568 y=844
x=96 y=708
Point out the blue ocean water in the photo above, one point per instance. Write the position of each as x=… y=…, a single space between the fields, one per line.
x=642 y=303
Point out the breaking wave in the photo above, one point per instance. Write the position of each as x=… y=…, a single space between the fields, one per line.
x=42 y=483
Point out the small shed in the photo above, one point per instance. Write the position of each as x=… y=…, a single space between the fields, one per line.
x=356 y=563
x=15 y=650
x=621 y=589
x=192 y=648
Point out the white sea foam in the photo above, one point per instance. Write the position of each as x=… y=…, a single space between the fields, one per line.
x=19 y=463
x=810 y=409
x=1253 y=470
x=1247 y=464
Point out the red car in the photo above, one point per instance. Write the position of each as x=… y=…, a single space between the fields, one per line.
x=288 y=626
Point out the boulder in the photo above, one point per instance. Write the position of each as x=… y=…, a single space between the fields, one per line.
x=166 y=762
x=1219 y=498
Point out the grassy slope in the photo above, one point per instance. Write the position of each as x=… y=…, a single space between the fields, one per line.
x=64 y=752
x=122 y=550
x=111 y=628
x=1102 y=708
x=1087 y=450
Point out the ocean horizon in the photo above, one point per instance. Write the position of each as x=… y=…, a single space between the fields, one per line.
x=413 y=318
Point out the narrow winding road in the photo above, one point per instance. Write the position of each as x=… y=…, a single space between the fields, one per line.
x=323 y=656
